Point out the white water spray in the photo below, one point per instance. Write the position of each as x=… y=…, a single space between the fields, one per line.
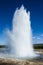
x=21 y=34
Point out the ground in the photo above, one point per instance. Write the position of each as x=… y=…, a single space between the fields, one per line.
x=5 y=61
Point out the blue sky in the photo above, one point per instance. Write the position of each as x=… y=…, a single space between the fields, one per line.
x=7 y=9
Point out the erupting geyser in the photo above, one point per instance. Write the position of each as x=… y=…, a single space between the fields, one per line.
x=21 y=34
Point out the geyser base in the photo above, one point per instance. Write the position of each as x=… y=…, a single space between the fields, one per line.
x=8 y=61
x=12 y=56
x=35 y=56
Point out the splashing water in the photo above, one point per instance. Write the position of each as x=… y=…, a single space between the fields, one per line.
x=21 y=34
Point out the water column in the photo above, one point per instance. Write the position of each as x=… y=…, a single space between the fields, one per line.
x=21 y=34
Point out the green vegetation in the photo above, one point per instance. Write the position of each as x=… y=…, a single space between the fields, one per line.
x=38 y=46
x=3 y=46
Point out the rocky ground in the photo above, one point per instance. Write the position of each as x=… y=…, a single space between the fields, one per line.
x=6 y=61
